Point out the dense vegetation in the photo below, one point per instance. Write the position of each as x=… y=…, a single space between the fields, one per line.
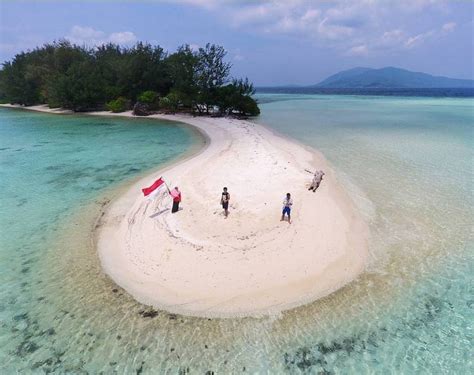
x=117 y=78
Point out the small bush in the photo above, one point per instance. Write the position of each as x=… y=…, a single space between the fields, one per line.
x=170 y=102
x=151 y=98
x=118 y=105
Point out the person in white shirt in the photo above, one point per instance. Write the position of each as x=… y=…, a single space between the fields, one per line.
x=287 y=203
x=318 y=176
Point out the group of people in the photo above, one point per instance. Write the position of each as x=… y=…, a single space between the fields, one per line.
x=225 y=198
x=177 y=197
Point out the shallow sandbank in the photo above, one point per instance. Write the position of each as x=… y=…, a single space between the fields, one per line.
x=196 y=262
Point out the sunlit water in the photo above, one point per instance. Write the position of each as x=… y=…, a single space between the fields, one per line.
x=407 y=163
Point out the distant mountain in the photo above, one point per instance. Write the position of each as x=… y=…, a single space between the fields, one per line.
x=390 y=77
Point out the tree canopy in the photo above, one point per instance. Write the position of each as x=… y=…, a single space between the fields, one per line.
x=62 y=74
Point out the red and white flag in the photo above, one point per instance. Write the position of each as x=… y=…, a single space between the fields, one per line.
x=153 y=190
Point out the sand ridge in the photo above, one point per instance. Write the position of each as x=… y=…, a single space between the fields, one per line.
x=196 y=262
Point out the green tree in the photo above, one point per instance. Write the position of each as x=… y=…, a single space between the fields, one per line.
x=64 y=56
x=20 y=85
x=144 y=69
x=212 y=72
x=248 y=106
x=81 y=88
x=110 y=64
x=236 y=99
x=62 y=74
x=182 y=68
x=243 y=103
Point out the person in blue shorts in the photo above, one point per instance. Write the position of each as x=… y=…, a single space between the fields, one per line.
x=287 y=203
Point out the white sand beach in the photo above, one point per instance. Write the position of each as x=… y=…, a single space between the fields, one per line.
x=196 y=262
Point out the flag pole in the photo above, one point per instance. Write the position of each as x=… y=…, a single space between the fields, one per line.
x=167 y=186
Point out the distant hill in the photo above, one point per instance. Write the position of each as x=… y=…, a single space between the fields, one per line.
x=390 y=77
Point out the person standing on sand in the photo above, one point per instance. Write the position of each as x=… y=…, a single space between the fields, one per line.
x=287 y=203
x=225 y=198
x=318 y=176
x=176 y=194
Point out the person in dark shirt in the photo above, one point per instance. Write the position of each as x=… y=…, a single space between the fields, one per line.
x=225 y=198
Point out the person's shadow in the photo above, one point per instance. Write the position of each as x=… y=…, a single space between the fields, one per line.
x=159 y=213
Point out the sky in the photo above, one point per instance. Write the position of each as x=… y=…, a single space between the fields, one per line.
x=271 y=42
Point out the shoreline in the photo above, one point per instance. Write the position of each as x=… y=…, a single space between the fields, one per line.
x=245 y=272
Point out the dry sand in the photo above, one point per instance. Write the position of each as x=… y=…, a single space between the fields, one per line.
x=196 y=262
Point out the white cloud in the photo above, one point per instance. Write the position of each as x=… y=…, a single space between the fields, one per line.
x=430 y=35
x=396 y=40
x=420 y=5
x=352 y=27
x=393 y=36
x=200 y=3
x=329 y=30
x=449 y=27
x=252 y=14
x=84 y=35
x=418 y=39
x=125 y=37
x=359 y=27
x=310 y=15
x=361 y=50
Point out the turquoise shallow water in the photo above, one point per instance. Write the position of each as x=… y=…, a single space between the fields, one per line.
x=407 y=163
x=52 y=166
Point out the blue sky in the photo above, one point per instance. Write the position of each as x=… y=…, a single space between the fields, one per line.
x=271 y=42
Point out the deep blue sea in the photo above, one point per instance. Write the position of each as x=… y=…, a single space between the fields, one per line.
x=407 y=163
x=404 y=92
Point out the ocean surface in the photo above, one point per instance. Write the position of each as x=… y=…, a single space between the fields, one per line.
x=407 y=162
x=375 y=91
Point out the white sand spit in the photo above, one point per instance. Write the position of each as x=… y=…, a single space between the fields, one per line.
x=196 y=262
